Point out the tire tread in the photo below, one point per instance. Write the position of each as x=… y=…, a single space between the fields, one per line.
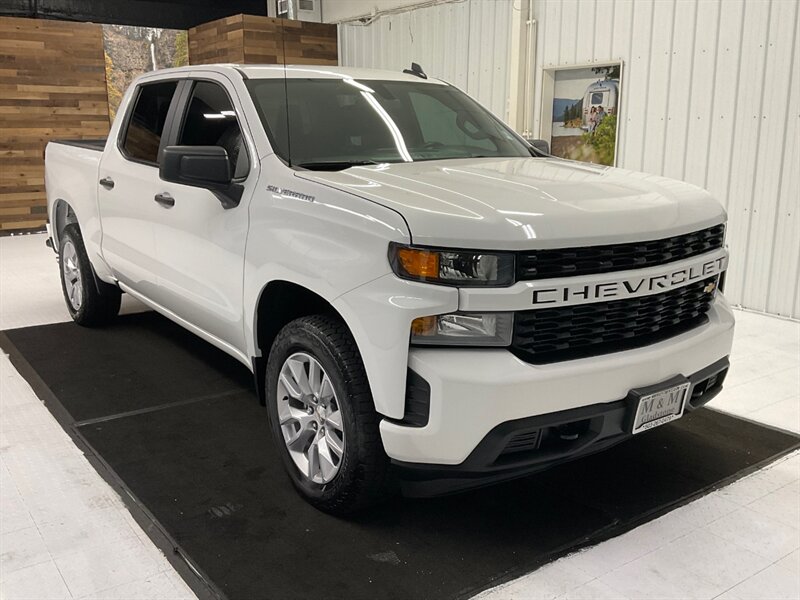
x=101 y=300
x=371 y=482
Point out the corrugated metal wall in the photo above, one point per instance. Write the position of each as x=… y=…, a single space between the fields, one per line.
x=466 y=43
x=711 y=95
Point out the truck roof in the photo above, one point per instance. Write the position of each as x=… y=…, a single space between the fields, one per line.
x=251 y=71
x=322 y=71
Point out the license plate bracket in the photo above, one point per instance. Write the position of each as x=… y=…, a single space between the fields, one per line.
x=659 y=404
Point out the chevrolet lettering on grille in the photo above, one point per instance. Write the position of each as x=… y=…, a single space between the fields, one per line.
x=672 y=277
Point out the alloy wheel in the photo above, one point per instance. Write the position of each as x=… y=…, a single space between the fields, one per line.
x=72 y=275
x=310 y=418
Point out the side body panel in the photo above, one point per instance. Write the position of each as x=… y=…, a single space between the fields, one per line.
x=331 y=243
x=199 y=244
x=128 y=211
x=380 y=314
x=71 y=177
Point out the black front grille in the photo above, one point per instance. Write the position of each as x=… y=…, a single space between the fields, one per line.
x=569 y=262
x=555 y=334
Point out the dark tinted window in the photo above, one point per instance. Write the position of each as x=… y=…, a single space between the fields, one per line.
x=438 y=124
x=211 y=121
x=597 y=98
x=143 y=136
x=328 y=123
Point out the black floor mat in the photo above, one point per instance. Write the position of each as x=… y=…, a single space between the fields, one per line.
x=177 y=423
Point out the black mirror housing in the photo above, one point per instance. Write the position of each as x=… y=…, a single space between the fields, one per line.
x=198 y=166
x=204 y=167
x=540 y=145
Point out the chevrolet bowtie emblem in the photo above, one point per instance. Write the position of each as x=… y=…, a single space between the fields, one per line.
x=710 y=287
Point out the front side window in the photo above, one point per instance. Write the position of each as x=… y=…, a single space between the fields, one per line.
x=143 y=136
x=330 y=124
x=211 y=121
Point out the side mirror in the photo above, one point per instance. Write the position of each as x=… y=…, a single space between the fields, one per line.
x=204 y=167
x=540 y=145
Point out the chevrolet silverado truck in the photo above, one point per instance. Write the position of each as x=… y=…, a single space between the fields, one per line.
x=426 y=300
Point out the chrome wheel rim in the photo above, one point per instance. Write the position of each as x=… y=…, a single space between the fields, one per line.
x=72 y=275
x=310 y=418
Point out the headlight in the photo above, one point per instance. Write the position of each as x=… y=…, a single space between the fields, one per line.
x=468 y=329
x=464 y=268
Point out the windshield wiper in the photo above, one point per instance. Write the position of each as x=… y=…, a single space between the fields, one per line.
x=334 y=165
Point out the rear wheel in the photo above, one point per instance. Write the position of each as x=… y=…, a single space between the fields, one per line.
x=89 y=303
x=323 y=418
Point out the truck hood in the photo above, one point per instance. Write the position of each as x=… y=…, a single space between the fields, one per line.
x=519 y=203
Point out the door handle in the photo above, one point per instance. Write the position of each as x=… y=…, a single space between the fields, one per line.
x=107 y=183
x=165 y=199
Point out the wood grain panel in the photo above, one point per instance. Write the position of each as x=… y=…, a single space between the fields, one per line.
x=52 y=85
x=250 y=39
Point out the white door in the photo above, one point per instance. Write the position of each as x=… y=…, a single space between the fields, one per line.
x=199 y=243
x=128 y=182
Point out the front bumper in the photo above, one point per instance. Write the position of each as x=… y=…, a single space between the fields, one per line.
x=472 y=391
x=525 y=446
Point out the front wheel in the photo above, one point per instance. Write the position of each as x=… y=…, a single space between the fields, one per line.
x=322 y=416
x=89 y=303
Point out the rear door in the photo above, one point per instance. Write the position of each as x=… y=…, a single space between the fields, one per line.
x=200 y=244
x=128 y=182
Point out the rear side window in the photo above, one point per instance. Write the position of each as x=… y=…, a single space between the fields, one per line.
x=143 y=136
x=211 y=121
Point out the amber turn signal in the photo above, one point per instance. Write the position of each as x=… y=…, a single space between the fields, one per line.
x=419 y=263
x=423 y=326
x=463 y=268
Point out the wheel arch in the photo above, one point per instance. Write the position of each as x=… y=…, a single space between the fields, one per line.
x=279 y=303
x=63 y=215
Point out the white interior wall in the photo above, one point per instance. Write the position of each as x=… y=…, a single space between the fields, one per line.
x=466 y=43
x=710 y=95
x=334 y=11
x=711 y=91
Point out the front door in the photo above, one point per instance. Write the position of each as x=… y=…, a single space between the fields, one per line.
x=199 y=244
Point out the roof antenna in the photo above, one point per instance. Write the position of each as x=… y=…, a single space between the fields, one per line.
x=416 y=70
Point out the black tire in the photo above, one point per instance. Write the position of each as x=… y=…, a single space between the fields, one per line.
x=363 y=476
x=98 y=302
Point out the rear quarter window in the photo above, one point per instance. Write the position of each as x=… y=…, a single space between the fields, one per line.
x=143 y=135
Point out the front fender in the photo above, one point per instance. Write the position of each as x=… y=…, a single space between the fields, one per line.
x=330 y=244
x=379 y=315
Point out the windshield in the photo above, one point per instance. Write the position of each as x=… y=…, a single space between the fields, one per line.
x=332 y=124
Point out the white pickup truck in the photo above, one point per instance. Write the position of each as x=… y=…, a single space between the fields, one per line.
x=422 y=296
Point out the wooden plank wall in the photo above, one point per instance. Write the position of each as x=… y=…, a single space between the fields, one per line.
x=220 y=41
x=52 y=85
x=250 y=39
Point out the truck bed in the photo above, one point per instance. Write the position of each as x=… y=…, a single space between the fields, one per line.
x=98 y=144
x=71 y=174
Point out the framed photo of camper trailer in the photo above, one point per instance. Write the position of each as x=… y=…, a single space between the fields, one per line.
x=581 y=111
